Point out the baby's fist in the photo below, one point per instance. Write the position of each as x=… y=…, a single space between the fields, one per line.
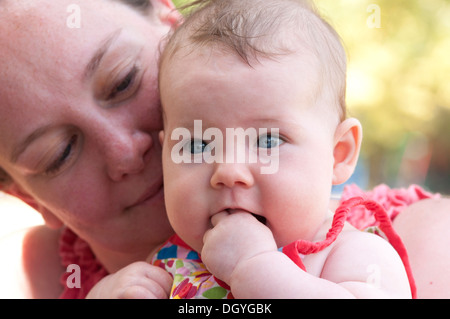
x=139 y=280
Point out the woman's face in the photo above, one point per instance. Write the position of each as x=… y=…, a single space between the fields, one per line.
x=80 y=117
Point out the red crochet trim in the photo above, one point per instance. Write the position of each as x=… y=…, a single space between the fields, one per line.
x=74 y=250
x=393 y=200
x=305 y=247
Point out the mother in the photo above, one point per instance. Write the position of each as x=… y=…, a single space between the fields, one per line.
x=79 y=112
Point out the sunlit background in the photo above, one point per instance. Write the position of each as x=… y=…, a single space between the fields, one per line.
x=398 y=87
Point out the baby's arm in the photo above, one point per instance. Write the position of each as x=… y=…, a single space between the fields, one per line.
x=242 y=252
x=139 y=280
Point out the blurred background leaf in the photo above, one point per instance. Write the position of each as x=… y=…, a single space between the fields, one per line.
x=398 y=86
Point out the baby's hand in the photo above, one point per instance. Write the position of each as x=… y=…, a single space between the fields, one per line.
x=234 y=238
x=139 y=280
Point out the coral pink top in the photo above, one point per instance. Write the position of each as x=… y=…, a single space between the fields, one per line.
x=359 y=212
x=392 y=200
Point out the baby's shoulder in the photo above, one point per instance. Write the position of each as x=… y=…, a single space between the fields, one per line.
x=352 y=239
x=352 y=247
x=361 y=253
x=359 y=257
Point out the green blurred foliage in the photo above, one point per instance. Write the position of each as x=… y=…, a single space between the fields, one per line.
x=398 y=85
x=178 y=3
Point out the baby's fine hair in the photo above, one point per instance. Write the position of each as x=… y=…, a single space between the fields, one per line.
x=266 y=28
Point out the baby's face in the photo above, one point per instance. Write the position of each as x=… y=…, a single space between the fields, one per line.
x=287 y=138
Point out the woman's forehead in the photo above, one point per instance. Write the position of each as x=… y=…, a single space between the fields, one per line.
x=36 y=44
x=55 y=39
x=46 y=24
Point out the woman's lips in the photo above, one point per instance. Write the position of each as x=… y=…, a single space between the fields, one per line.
x=152 y=192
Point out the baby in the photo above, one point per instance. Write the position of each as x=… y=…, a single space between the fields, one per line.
x=255 y=135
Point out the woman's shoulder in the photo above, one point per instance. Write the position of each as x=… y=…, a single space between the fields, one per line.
x=31 y=266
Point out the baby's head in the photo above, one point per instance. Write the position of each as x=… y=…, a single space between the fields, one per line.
x=264 y=29
x=275 y=70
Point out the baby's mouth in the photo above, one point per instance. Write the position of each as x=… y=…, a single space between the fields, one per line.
x=260 y=218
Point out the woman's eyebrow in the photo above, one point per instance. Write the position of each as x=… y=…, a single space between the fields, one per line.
x=98 y=55
x=22 y=146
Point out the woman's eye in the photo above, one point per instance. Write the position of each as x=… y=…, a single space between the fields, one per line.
x=269 y=141
x=124 y=86
x=63 y=157
x=198 y=146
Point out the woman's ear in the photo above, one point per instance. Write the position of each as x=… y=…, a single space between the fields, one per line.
x=50 y=219
x=347 y=144
x=166 y=11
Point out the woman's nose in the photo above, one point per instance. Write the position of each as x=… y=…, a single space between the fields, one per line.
x=127 y=153
x=231 y=175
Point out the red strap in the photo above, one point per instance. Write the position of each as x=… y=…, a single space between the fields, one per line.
x=305 y=247
x=292 y=251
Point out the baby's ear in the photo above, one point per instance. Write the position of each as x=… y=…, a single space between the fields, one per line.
x=347 y=144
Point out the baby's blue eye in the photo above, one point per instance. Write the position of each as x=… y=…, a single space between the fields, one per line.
x=197 y=146
x=269 y=141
